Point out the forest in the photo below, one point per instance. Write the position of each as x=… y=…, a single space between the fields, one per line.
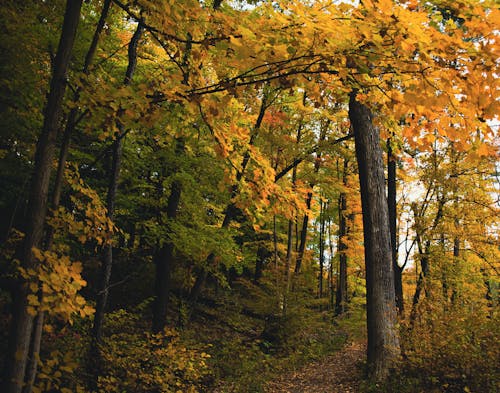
x=249 y=196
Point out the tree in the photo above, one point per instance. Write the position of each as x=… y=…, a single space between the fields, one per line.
x=341 y=298
x=37 y=205
x=383 y=336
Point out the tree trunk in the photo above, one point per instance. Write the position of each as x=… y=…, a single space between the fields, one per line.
x=291 y=225
x=263 y=254
x=341 y=299
x=108 y=253
x=424 y=252
x=383 y=336
x=456 y=261
x=34 y=351
x=391 y=202
x=22 y=322
x=303 y=236
x=331 y=289
x=305 y=221
x=107 y=263
x=321 y=248
x=288 y=264
x=231 y=209
x=72 y=120
x=164 y=258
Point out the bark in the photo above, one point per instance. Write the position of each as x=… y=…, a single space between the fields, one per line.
x=321 y=248
x=232 y=210
x=22 y=322
x=288 y=264
x=276 y=265
x=331 y=291
x=73 y=118
x=108 y=253
x=107 y=263
x=71 y=122
x=289 y=245
x=456 y=256
x=305 y=221
x=383 y=337
x=303 y=236
x=165 y=257
x=424 y=251
x=263 y=254
x=424 y=272
x=200 y=280
x=341 y=299
x=391 y=202
x=34 y=351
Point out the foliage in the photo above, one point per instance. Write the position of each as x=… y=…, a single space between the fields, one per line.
x=454 y=350
x=241 y=108
x=55 y=285
x=138 y=361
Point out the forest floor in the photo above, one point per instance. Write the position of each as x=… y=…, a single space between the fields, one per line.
x=337 y=373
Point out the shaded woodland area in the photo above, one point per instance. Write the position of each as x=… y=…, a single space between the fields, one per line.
x=206 y=196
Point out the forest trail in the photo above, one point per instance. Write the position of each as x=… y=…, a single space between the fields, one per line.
x=337 y=373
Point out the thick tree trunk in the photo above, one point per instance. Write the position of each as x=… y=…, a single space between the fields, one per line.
x=22 y=322
x=71 y=122
x=341 y=298
x=73 y=118
x=383 y=336
x=391 y=203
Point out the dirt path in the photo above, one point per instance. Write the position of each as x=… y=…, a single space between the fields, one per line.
x=338 y=373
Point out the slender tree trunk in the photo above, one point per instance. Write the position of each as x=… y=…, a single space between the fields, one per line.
x=263 y=254
x=391 y=201
x=288 y=264
x=22 y=322
x=321 y=248
x=107 y=263
x=73 y=118
x=276 y=264
x=31 y=369
x=456 y=256
x=424 y=272
x=305 y=221
x=164 y=258
x=424 y=251
x=331 y=289
x=108 y=253
x=231 y=209
x=34 y=351
x=383 y=336
x=303 y=236
x=291 y=225
x=341 y=299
